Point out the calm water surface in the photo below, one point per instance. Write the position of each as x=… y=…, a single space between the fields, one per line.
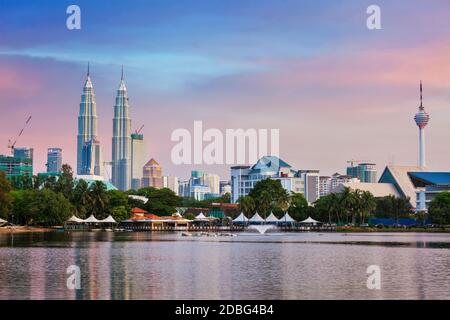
x=131 y=265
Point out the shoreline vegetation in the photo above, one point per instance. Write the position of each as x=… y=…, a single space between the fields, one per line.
x=51 y=201
x=35 y=229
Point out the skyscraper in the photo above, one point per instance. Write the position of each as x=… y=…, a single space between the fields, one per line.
x=54 y=159
x=137 y=159
x=121 y=140
x=152 y=175
x=364 y=171
x=87 y=133
x=421 y=119
x=24 y=153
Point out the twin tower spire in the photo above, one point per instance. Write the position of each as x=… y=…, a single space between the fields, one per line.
x=89 y=151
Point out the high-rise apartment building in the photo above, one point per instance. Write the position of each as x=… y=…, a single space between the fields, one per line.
x=54 y=160
x=137 y=160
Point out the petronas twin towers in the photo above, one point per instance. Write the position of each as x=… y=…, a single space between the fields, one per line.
x=89 y=151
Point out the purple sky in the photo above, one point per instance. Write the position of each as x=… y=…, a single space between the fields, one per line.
x=335 y=90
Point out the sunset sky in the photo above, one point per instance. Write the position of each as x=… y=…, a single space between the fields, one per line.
x=312 y=69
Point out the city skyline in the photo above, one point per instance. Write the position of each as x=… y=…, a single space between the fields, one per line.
x=330 y=84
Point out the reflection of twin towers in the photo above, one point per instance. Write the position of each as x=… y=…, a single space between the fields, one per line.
x=89 y=151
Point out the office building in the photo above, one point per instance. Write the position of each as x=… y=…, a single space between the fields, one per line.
x=88 y=145
x=54 y=160
x=152 y=174
x=137 y=160
x=171 y=183
x=121 y=140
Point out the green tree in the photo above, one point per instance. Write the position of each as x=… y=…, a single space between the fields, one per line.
x=99 y=200
x=392 y=207
x=81 y=199
x=247 y=205
x=439 y=210
x=65 y=183
x=41 y=207
x=368 y=205
x=298 y=208
x=160 y=201
x=118 y=205
x=5 y=196
x=270 y=195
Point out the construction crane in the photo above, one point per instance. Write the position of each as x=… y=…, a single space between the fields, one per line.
x=11 y=145
x=140 y=129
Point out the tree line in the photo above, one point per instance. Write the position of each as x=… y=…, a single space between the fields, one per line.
x=346 y=207
x=52 y=200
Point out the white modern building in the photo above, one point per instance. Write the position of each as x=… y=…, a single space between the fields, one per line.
x=244 y=178
x=171 y=183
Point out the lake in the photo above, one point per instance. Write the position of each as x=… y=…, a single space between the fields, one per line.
x=141 y=265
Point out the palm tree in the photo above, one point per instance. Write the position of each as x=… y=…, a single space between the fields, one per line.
x=283 y=202
x=347 y=201
x=264 y=202
x=81 y=198
x=368 y=204
x=246 y=205
x=334 y=206
x=99 y=199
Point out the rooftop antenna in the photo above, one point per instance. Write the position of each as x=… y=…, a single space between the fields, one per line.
x=121 y=76
x=421 y=105
x=88 y=70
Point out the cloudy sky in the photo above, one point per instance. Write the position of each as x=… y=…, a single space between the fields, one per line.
x=335 y=89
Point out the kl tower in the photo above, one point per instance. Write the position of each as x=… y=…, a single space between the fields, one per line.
x=421 y=119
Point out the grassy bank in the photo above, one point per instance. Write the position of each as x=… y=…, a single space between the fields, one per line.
x=24 y=229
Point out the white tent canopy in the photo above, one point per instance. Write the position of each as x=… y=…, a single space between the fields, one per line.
x=201 y=217
x=241 y=218
x=91 y=219
x=310 y=220
x=272 y=218
x=256 y=218
x=108 y=219
x=75 y=219
x=2 y=222
x=286 y=218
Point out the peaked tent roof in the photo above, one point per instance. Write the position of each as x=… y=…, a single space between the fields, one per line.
x=256 y=218
x=108 y=219
x=201 y=217
x=272 y=218
x=241 y=218
x=309 y=220
x=73 y=219
x=286 y=218
x=3 y=221
x=91 y=219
